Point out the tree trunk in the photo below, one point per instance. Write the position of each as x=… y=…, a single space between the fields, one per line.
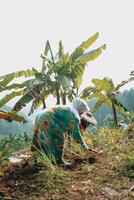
x=44 y=104
x=64 y=99
x=57 y=97
x=114 y=114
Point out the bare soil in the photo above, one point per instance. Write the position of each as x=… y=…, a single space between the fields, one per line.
x=99 y=177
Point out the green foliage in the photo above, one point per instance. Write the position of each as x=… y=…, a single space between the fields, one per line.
x=61 y=76
x=89 y=41
x=83 y=59
x=12 y=143
x=104 y=113
x=15 y=127
x=75 y=149
x=128 y=164
x=126 y=98
x=113 y=167
x=105 y=84
x=106 y=92
x=9 y=77
x=109 y=121
x=51 y=171
x=10 y=96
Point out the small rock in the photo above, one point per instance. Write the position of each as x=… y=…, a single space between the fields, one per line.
x=118 y=158
x=110 y=193
x=132 y=194
x=88 y=182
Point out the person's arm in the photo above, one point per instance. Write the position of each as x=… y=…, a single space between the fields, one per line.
x=76 y=134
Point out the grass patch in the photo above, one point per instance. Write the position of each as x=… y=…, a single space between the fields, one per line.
x=112 y=168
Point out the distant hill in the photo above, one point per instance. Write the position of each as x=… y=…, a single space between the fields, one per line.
x=14 y=127
x=126 y=98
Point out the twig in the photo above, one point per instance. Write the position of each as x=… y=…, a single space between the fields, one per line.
x=94 y=151
x=126 y=193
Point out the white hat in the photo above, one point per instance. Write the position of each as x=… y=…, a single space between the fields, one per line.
x=89 y=117
x=79 y=106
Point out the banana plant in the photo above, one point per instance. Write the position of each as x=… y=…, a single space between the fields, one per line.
x=60 y=75
x=66 y=71
x=106 y=92
x=69 y=68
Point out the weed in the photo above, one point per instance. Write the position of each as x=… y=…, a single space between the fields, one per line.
x=50 y=170
x=128 y=169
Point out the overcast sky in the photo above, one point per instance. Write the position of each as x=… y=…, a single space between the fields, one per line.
x=25 y=25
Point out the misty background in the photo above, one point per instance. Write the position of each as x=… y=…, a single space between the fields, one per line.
x=25 y=27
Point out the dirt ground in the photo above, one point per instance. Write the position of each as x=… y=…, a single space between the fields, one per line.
x=96 y=179
x=101 y=176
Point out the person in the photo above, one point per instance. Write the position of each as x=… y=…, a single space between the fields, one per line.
x=52 y=124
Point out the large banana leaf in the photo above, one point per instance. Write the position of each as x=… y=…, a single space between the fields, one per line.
x=13 y=86
x=89 y=41
x=30 y=94
x=44 y=56
x=92 y=55
x=77 y=74
x=125 y=81
x=25 y=99
x=104 y=85
x=63 y=60
x=101 y=100
x=39 y=76
x=63 y=69
x=37 y=102
x=122 y=110
x=17 y=117
x=76 y=54
x=119 y=104
x=97 y=105
x=80 y=49
x=10 y=96
x=120 y=85
x=24 y=73
x=98 y=95
x=77 y=81
x=19 y=85
x=61 y=50
x=86 y=93
x=64 y=81
x=9 y=116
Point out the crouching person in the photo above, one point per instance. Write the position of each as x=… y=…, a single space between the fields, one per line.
x=51 y=126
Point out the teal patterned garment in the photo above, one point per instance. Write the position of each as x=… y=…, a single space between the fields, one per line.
x=50 y=129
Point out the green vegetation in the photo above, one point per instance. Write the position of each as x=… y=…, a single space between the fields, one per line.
x=13 y=143
x=104 y=114
x=100 y=174
x=15 y=127
x=60 y=76
x=113 y=167
x=106 y=93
